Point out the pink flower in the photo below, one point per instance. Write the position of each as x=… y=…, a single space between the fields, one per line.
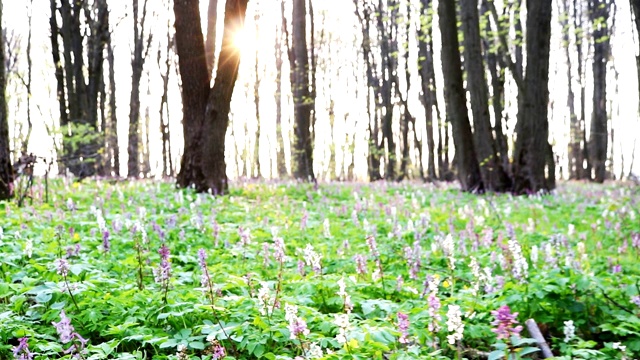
x=505 y=322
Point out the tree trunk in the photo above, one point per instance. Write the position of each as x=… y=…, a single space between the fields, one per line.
x=302 y=102
x=584 y=162
x=112 y=130
x=167 y=165
x=635 y=8
x=256 y=97
x=455 y=100
x=599 y=16
x=280 y=159
x=6 y=170
x=575 y=158
x=206 y=110
x=427 y=77
x=532 y=145
x=494 y=177
x=210 y=44
x=387 y=29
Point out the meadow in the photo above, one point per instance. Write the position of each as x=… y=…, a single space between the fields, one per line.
x=142 y=270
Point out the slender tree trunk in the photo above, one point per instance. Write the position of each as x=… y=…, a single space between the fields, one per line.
x=112 y=131
x=167 y=165
x=387 y=29
x=256 y=96
x=300 y=84
x=6 y=170
x=635 y=9
x=584 y=162
x=598 y=142
x=494 y=177
x=531 y=150
x=280 y=159
x=25 y=144
x=426 y=70
x=575 y=158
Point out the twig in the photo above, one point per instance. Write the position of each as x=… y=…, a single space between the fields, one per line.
x=534 y=331
x=617 y=304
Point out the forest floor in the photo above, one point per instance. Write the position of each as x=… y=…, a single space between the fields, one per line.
x=137 y=270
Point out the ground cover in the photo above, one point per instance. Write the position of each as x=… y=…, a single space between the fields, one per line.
x=279 y=271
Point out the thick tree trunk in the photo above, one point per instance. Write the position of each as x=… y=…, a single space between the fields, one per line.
x=494 y=177
x=6 y=170
x=387 y=29
x=205 y=110
x=532 y=145
x=598 y=142
x=455 y=100
x=303 y=104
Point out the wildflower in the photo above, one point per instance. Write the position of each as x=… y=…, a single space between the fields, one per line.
x=139 y=229
x=106 y=244
x=454 y=324
x=278 y=249
x=67 y=334
x=520 y=265
x=399 y=282
x=182 y=352
x=373 y=246
x=342 y=321
x=297 y=326
x=62 y=266
x=28 y=247
x=312 y=258
x=301 y=267
x=448 y=249
x=163 y=272
x=475 y=271
x=354 y=218
x=569 y=330
x=21 y=352
x=70 y=205
x=326 y=229
x=344 y=295
x=303 y=220
x=534 y=254
x=314 y=351
x=245 y=236
x=403 y=327
x=217 y=350
x=434 y=303
x=361 y=264
x=636 y=300
x=265 y=300
x=505 y=322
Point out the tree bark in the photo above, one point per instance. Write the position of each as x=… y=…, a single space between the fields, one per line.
x=427 y=77
x=455 y=100
x=532 y=145
x=112 y=129
x=494 y=177
x=206 y=110
x=256 y=96
x=303 y=104
x=598 y=142
x=6 y=169
x=280 y=159
x=210 y=44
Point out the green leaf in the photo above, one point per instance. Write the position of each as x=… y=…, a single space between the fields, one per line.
x=496 y=355
x=527 y=350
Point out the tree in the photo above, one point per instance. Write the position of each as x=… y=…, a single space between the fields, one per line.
x=427 y=77
x=6 y=170
x=302 y=100
x=598 y=141
x=205 y=108
x=138 y=58
x=494 y=176
x=532 y=128
x=79 y=84
x=455 y=100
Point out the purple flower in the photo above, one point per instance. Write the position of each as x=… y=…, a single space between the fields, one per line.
x=64 y=328
x=202 y=259
x=278 y=249
x=106 y=244
x=636 y=300
x=62 y=267
x=373 y=246
x=303 y=221
x=361 y=264
x=21 y=352
x=403 y=327
x=163 y=272
x=301 y=267
x=616 y=269
x=504 y=323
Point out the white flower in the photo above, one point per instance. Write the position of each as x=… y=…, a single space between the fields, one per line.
x=312 y=258
x=520 y=265
x=314 y=351
x=326 y=228
x=448 y=249
x=454 y=324
x=28 y=248
x=265 y=301
x=534 y=254
x=569 y=330
x=342 y=321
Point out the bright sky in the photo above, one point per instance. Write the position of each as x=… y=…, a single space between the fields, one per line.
x=340 y=82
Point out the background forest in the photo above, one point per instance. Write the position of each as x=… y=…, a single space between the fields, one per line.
x=364 y=98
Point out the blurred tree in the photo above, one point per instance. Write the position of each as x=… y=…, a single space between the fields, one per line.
x=6 y=170
x=206 y=108
x=84 y=32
